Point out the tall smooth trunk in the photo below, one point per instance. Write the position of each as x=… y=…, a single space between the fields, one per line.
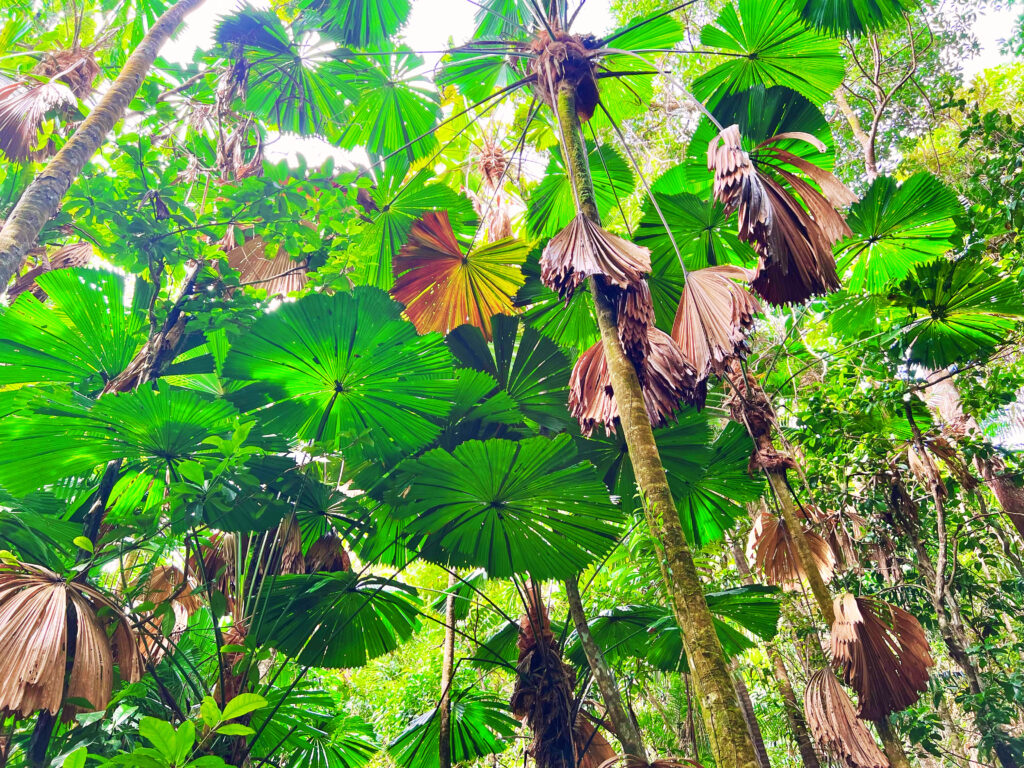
x=750 y=715
x=720 y=708
x=447 y=666
x=42 y=199
x=622 y=722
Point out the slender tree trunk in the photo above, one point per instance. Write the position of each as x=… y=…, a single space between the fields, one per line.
x=943 y=399
x=42 y=199
x=625 y=728
x=444 y=709
x=724 y=719
x=867 y=144
x=747 y=705
x=794 y=712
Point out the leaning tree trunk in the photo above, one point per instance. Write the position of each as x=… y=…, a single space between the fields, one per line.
x=721 y=710
x=444 y=709
x=750 y=715
x=794 y=712
x=42 y=199
x=943 y=398
x=622 y=722
x=752 y=408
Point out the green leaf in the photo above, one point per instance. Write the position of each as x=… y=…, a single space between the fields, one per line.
x=75 y=759
x=243 y=704
x=345 y=365
x=503 y=19
x=235 y=729
x=510 y=508
x=894 y=228
x=478 y=72
x=480 y=726
x=530 y=368
x=210 y=712
x=82 y=542
x=395 y=109
x=336 y=620
x=772 y=46
x=150 y=429
x=956 y=312
x=463 y=592
x=360 y=23
x=855 y=17
x=552 y=206
x=161 y=735
x=87 y=335
x=184 y=741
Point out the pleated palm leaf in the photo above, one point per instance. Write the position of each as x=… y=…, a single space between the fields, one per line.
x=36 y=606
x=834 y=724
x=771 y=551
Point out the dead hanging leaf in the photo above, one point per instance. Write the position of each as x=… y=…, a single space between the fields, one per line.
x=794 y=243
x=23 y=108
x=669 y=381
x=836 y=727
x=771 y=550
x=279 y=275
x=442 y=288
x=634 y=317
x=327 y=554
x=75 y=67
x=714 y=316
x=543 y=693
x=34 y=607
x=583 y=250
x=593 y=748
x=288 y=548
x=564 y=58
x=881 y=652
x=71 y=255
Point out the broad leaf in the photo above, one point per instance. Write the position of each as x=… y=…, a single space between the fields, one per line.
x=336 y=620
x=360 y=23
x=463 y=593
x=855 y=17
x=510 y=508
x=894 y=228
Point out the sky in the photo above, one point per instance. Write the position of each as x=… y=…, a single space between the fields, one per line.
x=436 y=24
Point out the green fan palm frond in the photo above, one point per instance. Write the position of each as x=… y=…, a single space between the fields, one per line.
x=855 y=17
x=896 y=226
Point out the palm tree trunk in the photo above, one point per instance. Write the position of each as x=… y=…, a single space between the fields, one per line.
x=41 y=200
x=747 y=705
x=625 y=728
x=794 y=712
x=447 y=665
x=724 y=719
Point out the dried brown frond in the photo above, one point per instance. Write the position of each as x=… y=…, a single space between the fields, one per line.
x=279 y=275
x=23 y=108
x=668 y=381
x=564 y=59
x=836 y=727
x=770 y=550
x=288 y=546
x=794 y=242
x=583 y=250
x=327 y=554
x=35 y=605
x=75 y=67
x=714 y=316
x=491 y=162
x=634 y=317
x=543 y=693
x=592 y=747
x=70 y=255
x=881 y=652
x=168 y=582
x=748 y=403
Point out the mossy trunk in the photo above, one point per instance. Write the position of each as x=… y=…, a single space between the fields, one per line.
x=42 y=199
x=720 y=708
x=444 y=709
x=622 y=722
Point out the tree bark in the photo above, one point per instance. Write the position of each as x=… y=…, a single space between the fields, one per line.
x=625 y=729
x=42 y=199
x=444 y=709
x=747 y=705
x=726 y=728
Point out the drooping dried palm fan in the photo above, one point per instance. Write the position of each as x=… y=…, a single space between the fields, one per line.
x=327 y=554
x=279 y=275
x=65 y=257
x=35 y=606
x=593 y=748
x=714 y=316
x=794 y=243
x=836 y=727
x=443 y=288
x=23 y=108
x=166 y=583
x=565 y=59
x=287 y=550
x=881 y=652
x=770 y=550
x=669 y=380
x=492 y=165
x=583 y=250
x=543 y=692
